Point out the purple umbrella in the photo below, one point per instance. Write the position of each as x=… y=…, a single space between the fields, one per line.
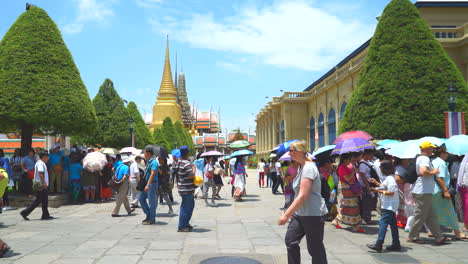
x=212 y=153
x=287 y=157
x=352 y=145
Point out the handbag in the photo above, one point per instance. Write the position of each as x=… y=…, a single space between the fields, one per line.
x=30 y=174
x=113 y=182
x=452 y=191
x=141 y=184
x=356 y=187
x=38 y=186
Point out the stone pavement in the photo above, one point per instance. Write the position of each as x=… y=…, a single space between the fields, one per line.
x=88 y=234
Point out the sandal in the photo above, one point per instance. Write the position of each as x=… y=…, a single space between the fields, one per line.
x=4 y=249
x=336 y=225
x=442 y=241
x=359 y=230
x=416 y=241
x=461 y=238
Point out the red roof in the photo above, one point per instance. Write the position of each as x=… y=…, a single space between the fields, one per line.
x=9 y=145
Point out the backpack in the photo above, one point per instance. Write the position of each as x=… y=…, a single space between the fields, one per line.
x=412 y=175
x=373 y=173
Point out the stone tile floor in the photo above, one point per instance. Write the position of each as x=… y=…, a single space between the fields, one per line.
x=88 y=234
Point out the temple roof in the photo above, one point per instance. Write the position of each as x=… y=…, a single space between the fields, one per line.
x=167 y=88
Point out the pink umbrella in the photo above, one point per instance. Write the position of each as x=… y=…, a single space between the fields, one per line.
x=287 y=157
x=353 y=134
x=212 y=153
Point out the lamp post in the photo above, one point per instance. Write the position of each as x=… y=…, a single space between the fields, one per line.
x=131 y=125
x=452 y=93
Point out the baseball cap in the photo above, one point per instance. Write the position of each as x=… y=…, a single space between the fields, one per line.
x=126 y=159
x=426 y=144
x=184 y=150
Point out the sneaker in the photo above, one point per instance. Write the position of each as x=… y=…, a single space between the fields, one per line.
x=376 y=247
x=171 y=212
x=131 y=211
x=47 y=218
x=393 y=248
x=145 y=220
x=185 y=229
x=149 y=222
x=25 y=217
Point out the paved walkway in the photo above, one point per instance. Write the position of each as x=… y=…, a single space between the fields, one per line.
x=88 y=234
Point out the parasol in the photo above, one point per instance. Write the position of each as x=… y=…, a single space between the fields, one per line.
x=94 y=161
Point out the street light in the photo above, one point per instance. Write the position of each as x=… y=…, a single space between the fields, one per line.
x=131 y=125
x=452 y=93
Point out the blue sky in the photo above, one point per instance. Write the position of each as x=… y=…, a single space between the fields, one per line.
x=233 y=53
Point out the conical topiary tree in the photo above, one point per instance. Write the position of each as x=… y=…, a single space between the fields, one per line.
x=143 y=135
x=169 y=133
x=112 y=130
x=40 y=85
x=159 y=139
x=179 y=129
x=401 y=92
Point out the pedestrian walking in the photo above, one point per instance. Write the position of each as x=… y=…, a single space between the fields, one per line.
x=186 y=174
x=239 y=178
x=261 y=173
x=122 y=175
x=134 y=180
x=291 y=173
x=41 y=181
x=164 y=187
x=389 y=204
x=208 y=182
x=150 y=192
x=367 y=199
x=219 y=172
x=200 y=166
x=307 y=211
x=423 y=189
x=27 y=164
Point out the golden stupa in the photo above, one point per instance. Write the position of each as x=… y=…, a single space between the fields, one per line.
x=166 y=102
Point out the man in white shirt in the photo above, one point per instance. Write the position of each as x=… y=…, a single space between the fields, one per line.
x=367 y=200
x=41 y=175
x=134 y=179
x=277 y=177
x=422 y=192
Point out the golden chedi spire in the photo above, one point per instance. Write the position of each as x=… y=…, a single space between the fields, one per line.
x=166 y=102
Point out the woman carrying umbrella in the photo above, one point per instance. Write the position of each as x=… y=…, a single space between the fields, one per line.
x=239 y=177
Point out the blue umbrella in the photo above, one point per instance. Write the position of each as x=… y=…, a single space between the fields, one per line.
x=284 y=147
x=176 y=153
x=227 y=157
x=457 y=145
x=352 y=145
x=323 y=152
x=405 y=150
x=387 y=141
x=242 y=152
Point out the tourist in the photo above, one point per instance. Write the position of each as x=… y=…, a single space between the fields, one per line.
x=349 y=213
x=5 y=164
x=291 y=173
x=27 y=165
x=151 y=189
x=405 y=213
x=56 y=168
x=186 y=173
x=66 y=169
x=15 y=162
x=200 y=172
x=134 y=180
x=122 y=176
x=454 y=168
x=261 y=173
x=239 y=178
x=422 y=191
x=164 y=187
x=329 y=181
x=441 y=201
x=307 y=211
x=279 y=177
x=41 y=181
x=389 y=205
x=269 y=182
x=462 y=188
x=367 y=199
x=89 y=180
x=117 y=162
x=3 y=184
x=208 y=182
x=75 y=176
x=219 y=172
x=273 y=173
x=105 y=176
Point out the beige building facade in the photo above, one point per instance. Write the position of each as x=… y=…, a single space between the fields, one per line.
x=314 y=114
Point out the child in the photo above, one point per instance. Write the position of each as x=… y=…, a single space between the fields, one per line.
x=390 y=202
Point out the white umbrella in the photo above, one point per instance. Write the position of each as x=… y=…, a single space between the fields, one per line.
x=94 y=161
x=434 y=140
x=131 y=150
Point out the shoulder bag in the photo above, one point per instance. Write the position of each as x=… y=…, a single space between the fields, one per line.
x=113 y=182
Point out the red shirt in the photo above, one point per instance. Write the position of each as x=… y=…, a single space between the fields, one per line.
x=345 y=170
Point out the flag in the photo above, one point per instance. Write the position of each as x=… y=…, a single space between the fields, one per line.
x=454 y=124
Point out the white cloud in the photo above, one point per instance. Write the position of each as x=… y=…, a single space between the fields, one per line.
x=291 y=34
x=89 y=11
x=147 y=3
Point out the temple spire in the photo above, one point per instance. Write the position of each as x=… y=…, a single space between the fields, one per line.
x=167 y=88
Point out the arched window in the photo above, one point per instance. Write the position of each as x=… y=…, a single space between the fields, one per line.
x=321 y=130
x=342 y=109
x=331 y=126
x=312 y=134
x=282 y=131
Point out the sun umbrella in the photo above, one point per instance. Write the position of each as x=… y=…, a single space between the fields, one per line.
x=352 y=145
x=272 y=155
x=176 y=153
x=353 y=134
x=457 y=145
x=159 y=151
x=227 y=157
x=94 y=161
x=404 y=150
x=275 y=149
x=239 y=144
x=212 y=153
x=129 y=150
x=283 y=148
x=387 y=142
x=323 y=152
x=242 y=152
x=110 y=151
x=434 y=140
x=287 y=157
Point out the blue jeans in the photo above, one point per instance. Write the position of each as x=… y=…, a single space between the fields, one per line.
x=186 y=210
x=388 y=219
x=152 y=193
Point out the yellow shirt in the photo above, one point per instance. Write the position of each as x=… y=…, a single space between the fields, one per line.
x=4 y=182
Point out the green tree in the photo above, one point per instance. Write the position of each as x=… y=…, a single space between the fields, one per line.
x=159 y=139
x=113 y=117
x=181 y=138
x=401 y=90
x=143 y=135
x=169 y=133
x=41 y=87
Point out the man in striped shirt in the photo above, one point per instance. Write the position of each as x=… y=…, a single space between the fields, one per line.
x=186 y=172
